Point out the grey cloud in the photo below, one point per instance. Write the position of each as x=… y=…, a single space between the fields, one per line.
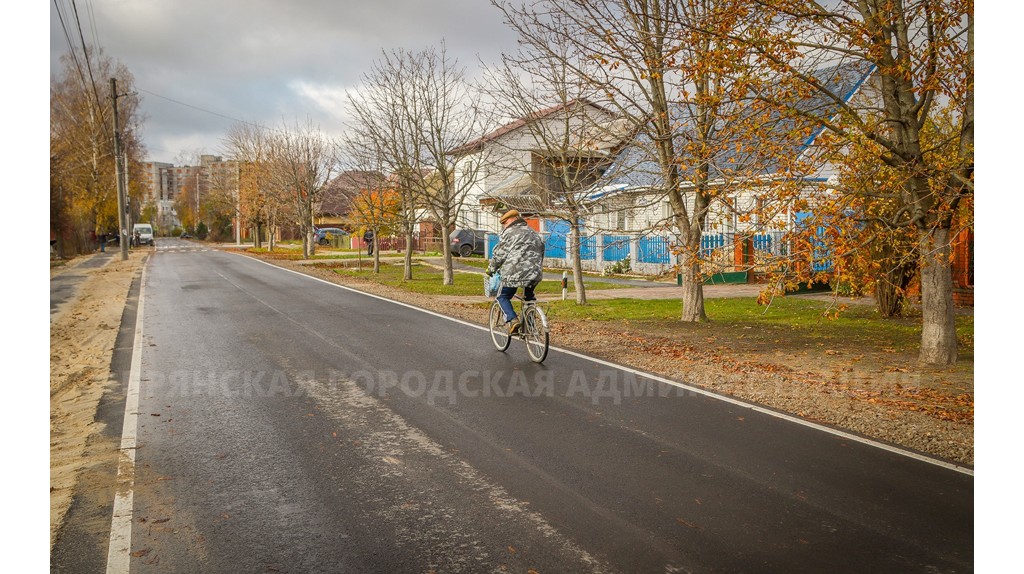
x=242 y=58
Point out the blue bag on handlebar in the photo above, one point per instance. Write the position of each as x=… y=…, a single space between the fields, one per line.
x=492 y=285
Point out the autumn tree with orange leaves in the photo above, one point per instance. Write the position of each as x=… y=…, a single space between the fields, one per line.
x=903 y=148
x=83 y=190
x=377 y=208
x=249 y=144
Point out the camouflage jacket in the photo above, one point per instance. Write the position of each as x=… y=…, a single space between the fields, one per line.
x=519 y=255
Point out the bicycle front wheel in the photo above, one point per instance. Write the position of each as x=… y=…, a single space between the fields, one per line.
x=535 y=334
x=499 y=328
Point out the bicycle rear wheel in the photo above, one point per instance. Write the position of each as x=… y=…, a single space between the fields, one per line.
x=535 y=334
x=499 y=328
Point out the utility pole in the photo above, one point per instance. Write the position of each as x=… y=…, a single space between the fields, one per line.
x=127 y=196
x=238 y=207
x=121 y=223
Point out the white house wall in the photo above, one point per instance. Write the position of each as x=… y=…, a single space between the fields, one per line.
x=507 y=155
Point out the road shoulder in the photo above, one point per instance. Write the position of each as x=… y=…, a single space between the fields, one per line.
x=82 y=343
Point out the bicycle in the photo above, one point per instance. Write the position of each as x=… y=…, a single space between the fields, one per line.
x=534 y=329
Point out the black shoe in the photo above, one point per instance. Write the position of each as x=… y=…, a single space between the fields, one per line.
x=515 y=326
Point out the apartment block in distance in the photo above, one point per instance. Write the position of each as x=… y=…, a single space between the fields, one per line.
x=166 y=182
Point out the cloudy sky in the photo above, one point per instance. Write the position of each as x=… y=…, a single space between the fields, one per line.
x=265 y=60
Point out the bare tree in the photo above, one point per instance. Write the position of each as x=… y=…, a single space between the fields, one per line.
x=679 y=87
x=305 y=159
x=564 y=140
x=380 y=132
x=374 y=204
x=420 y=111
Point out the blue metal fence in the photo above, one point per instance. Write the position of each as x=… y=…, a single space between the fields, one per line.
x=770 y=242
x=763 y=242
x=709 y=242
x=654 y=249
x=588 y=248
x=616 y=247
x=821 y=256
x=554 y=244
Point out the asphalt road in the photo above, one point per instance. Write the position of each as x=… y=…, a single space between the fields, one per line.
x=290 y=425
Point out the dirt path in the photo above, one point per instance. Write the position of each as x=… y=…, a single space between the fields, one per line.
x=82 y=340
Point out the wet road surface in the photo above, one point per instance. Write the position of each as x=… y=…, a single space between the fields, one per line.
x=290 y=425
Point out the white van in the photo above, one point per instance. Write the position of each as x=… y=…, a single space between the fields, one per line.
x=145 y=232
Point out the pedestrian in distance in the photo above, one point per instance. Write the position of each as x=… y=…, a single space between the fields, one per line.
x=368 y=238
x=519 y=255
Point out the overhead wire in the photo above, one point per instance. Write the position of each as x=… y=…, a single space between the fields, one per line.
x=67 y=36
x=85 y=50
x=92 y=23
x=253 y=124
x=193 y=107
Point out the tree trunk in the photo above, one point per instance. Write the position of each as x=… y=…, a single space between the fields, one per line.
x=693 y=288
x=891 y=287
x=407 y=276
x=577 y=265
x=449 y=275
x=938 y=332
x=376 y=250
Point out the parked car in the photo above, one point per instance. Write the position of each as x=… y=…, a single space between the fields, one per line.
x=323 y=236
x=466 y=242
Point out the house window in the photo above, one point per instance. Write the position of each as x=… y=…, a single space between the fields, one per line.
x=620 y=221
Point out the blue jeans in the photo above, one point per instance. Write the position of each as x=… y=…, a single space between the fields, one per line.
x=505 y=299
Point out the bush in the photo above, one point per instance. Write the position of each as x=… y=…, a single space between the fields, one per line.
x=176 y=232
x=618 y=268
x=846 y=289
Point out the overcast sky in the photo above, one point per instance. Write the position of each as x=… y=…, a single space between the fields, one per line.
x=264 y=60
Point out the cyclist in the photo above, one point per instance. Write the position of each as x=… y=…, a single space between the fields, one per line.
x=519 y=255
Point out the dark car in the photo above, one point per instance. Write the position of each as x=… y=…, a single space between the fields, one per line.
x=466 y=242
x=323 y=236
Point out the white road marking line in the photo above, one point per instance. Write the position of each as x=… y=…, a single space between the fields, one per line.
x=705 y=392
x=119 y=550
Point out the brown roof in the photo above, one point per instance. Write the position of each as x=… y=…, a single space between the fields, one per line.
x=338 y=193
x=512 y=126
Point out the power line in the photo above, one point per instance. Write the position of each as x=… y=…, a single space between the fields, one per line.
x=194 y=107
x=92 y=24
x=71 y=46
x=85 y=50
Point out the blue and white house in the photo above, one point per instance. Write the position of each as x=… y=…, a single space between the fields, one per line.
x=630 y=217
